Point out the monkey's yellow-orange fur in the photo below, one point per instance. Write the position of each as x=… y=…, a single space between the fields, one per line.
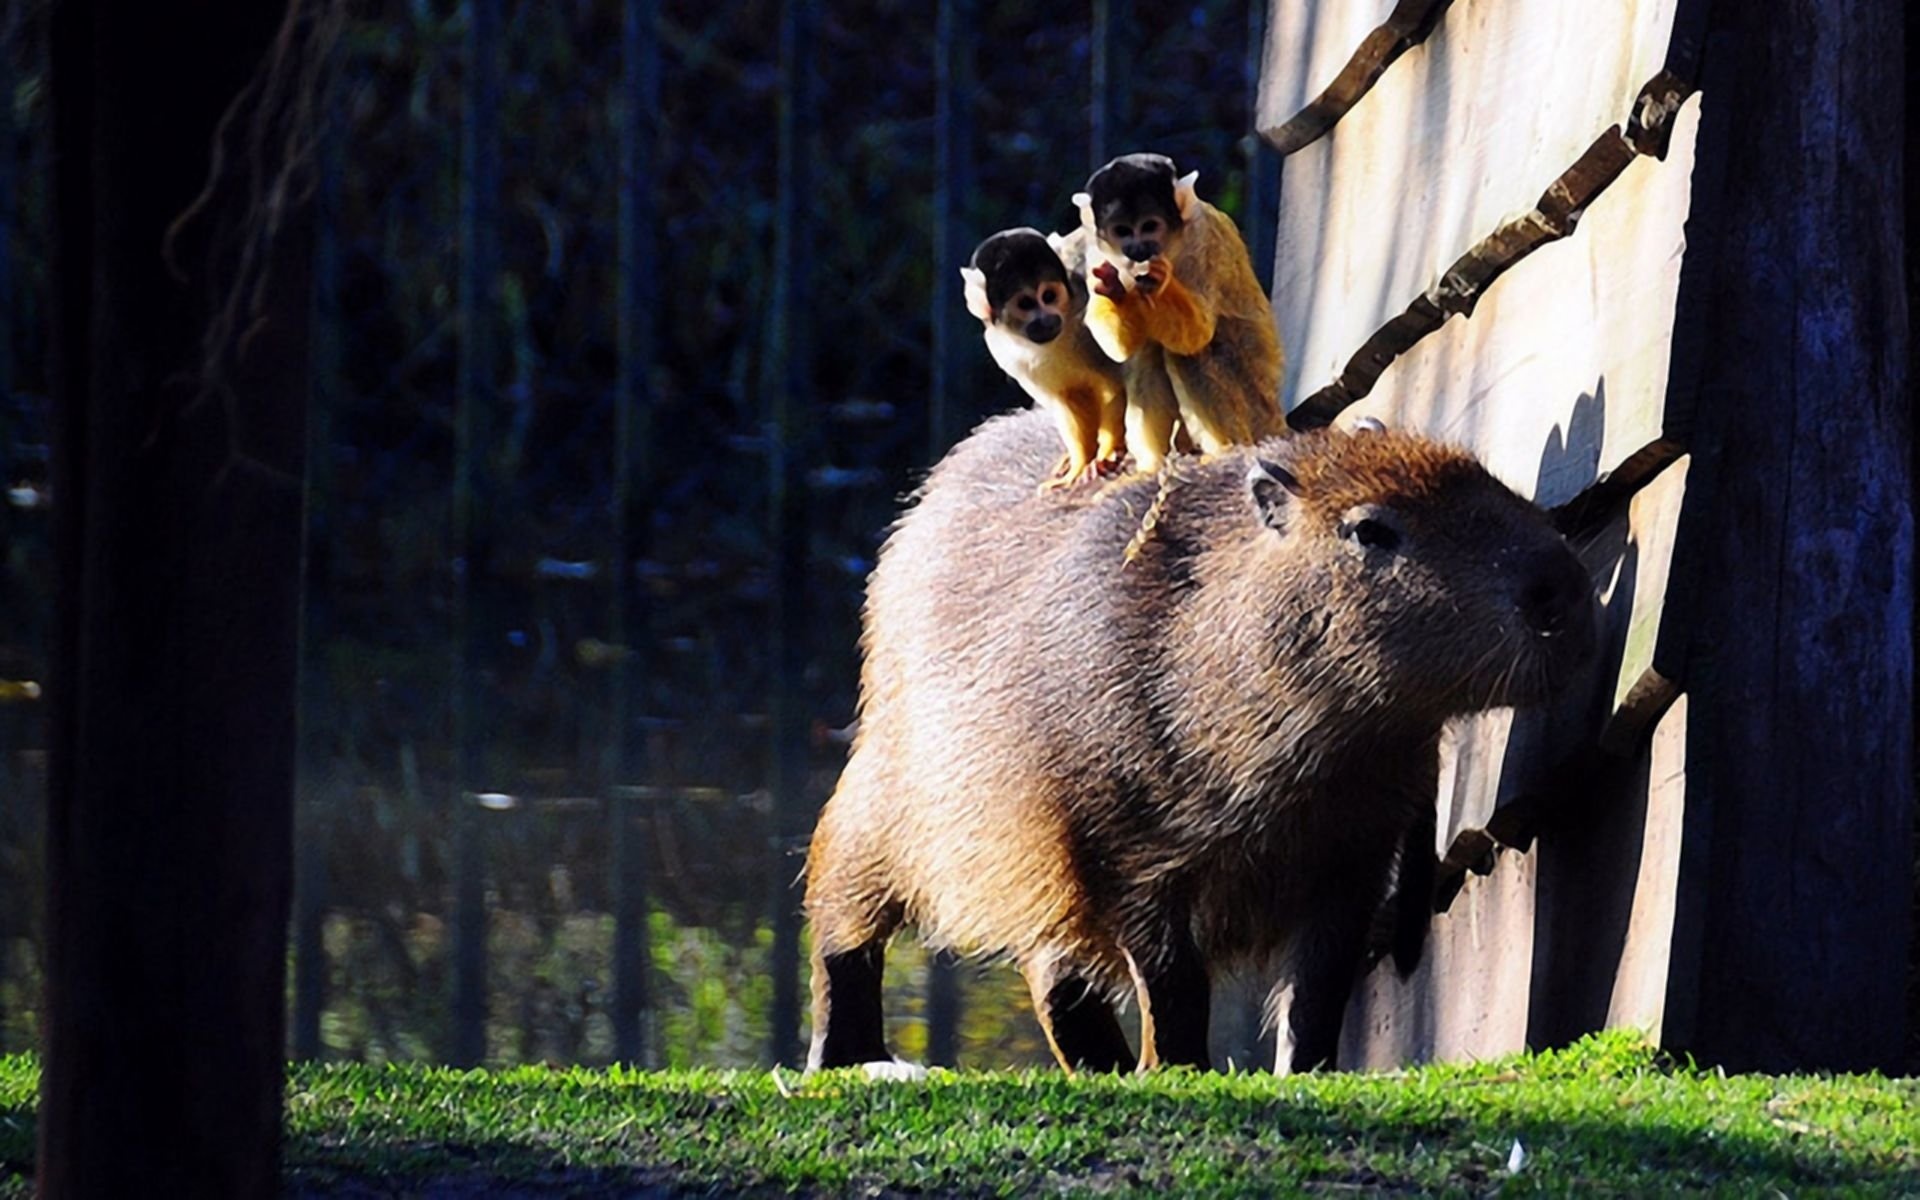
x=1219 y=364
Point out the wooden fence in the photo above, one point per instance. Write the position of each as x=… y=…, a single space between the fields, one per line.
x=1644 y=259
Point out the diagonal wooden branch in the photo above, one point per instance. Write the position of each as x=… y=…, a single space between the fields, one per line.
x=1554 y=216
x=1405 y=27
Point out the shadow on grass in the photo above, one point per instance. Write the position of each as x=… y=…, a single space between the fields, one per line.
x=1025 y=1136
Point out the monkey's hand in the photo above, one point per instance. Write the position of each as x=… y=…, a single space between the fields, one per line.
x=1106 y=281
x=1158 y=273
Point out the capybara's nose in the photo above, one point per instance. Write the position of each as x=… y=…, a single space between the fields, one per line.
x=1556 y=597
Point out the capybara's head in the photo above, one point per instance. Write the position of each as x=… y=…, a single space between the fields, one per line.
x=1420 y=581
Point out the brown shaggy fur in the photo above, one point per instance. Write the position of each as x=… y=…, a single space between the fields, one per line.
x=1127 y=777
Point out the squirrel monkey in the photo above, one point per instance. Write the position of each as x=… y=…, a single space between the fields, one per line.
x=1175 y=295
x=1033 y=309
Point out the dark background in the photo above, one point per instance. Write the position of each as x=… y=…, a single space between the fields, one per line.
x=379 y=797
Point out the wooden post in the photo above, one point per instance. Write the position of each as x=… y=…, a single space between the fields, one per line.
x=790 y=390
x=472 y=493
x=1797 y=873
x=177 y=468
x=627 y=615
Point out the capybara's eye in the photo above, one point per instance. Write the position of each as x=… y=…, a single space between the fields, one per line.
x=1372 y=533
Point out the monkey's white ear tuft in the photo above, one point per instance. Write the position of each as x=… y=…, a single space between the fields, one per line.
x=1184 y=197
x=976 y=284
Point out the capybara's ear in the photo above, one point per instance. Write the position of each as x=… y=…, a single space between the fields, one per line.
x=1272 y=488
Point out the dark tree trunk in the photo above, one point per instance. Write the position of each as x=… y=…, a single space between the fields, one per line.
x=177 y=535
x=1800 y=758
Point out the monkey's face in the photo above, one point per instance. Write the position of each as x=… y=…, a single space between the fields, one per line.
x=1017 y=282
x=1037 y=311
x=1135 y=208
x=1139 y=230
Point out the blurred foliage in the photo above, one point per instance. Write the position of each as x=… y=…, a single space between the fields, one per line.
x=376 y=766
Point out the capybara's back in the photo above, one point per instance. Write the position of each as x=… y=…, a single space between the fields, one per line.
x=1125 y=771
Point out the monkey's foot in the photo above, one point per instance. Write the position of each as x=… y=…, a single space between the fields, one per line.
x=1069 y=476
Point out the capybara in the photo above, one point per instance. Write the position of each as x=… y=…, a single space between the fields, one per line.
x=1132 y=736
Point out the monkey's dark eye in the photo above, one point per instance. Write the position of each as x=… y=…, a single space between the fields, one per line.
x=1026 y=304
x=1050 y=296
x=1374 y=534
x=1123 y=231
x=1150 y=226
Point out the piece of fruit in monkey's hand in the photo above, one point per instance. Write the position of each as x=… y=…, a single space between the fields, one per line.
x=1147 y=278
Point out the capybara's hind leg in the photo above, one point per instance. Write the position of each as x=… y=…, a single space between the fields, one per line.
x=1171 y=981
x=1078 y=1021
x=851 y=912
x=848 y=1028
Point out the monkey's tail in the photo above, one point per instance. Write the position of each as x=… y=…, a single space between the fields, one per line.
x=1150 y=520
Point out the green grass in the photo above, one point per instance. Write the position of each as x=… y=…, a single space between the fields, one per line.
x=1607 y=1116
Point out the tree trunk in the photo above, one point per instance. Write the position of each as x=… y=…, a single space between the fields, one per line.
x=177 y=540
x=1799 y=753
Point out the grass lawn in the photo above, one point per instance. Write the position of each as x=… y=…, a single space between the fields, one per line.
x=1607 y=1116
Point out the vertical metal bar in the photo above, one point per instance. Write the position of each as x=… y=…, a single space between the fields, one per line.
x=624 y=760
x=788 y=360
x=479 y=201
x=316 y=782
x=1110 y=110
x=953 y=153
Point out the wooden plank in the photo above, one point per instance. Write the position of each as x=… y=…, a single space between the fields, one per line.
x=1469 y=996
x=1561 y=376
x=1572 y=934
x=1468 y=127
x=1608 y=865
x=1638 y=997
x=1320 y=59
